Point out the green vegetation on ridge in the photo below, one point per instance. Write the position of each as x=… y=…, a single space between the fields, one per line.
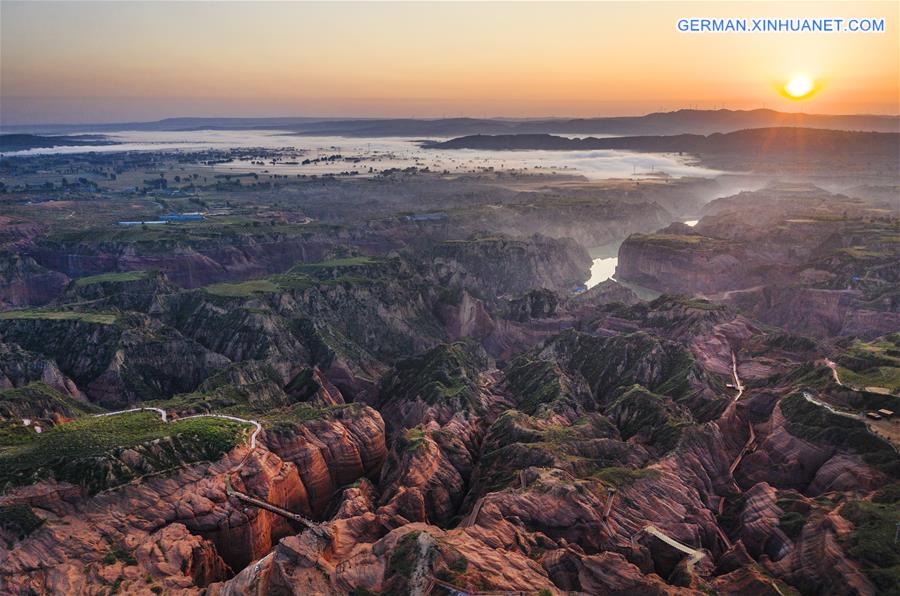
x=85 y=452
x=872 y=364
x=536 y=382
x=18 y=520
x=335 y=263
x=115 y=277
x=38 y=400
x=814 y=423
x=447 y=373
x=300 y=277
x=60 y=315
x=871 y=542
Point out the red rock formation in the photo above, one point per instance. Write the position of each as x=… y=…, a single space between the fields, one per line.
x=181 y=529
x=846 y=473
x=759 y=531
x=179 y=559
x=249 y=532
x=781 y=459
x=610 y=573
x=332 y=452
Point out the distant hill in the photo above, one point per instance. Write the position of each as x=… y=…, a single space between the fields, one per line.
x=167 y=124
x=754 y=149
x=706 y=122
x=702 y=122
x=780 y=138
x=21 y=142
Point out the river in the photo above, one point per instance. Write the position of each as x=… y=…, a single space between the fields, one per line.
x=601 y=270
x=603 y=266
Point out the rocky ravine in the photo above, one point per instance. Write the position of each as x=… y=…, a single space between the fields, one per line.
x=614 y=457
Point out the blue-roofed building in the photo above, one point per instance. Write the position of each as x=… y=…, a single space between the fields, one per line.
x=183 y=217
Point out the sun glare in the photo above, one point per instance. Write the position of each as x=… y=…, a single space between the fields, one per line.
x=799 y=87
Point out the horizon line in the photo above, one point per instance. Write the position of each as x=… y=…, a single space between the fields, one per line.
x=459 y=117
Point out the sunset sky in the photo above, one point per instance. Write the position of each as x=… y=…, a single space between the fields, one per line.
x=117 y=61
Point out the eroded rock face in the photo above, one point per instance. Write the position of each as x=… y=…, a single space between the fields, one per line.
x=238 y=329
x=33 y=289
x=846 y=473
x=590 y=445
x=465 y=317
x=23 y=282
x=153 y=363
x=782 y=459
x=191 y=264
x=330 y=453
x=817 y=563
x=407 y=559
x=437 y=407
x=555 y=264
x=247 y=533
x=139 y=291
x=819 y=312
x=611 y=573
x=795 y=257
x=182 y=530
x=20 y=367
x=682 y=261
x=759 y=531
x=174 y=551
x=81 y=349
x=118 y=361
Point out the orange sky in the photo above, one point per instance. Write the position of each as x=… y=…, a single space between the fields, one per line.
x=93 y=62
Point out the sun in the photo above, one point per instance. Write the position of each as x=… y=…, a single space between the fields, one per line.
x=800 y=87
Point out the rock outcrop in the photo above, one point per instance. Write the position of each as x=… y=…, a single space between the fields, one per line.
x=801 y=258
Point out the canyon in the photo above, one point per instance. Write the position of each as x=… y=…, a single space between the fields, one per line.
x=400 y=384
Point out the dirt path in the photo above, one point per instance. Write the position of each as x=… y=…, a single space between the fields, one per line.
x=470 y=519
x=808 y=397
x=833 y=366
x=695 y=555
x=737 y=380
x=744 y=451
x=317 y=528
x=160 y=411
